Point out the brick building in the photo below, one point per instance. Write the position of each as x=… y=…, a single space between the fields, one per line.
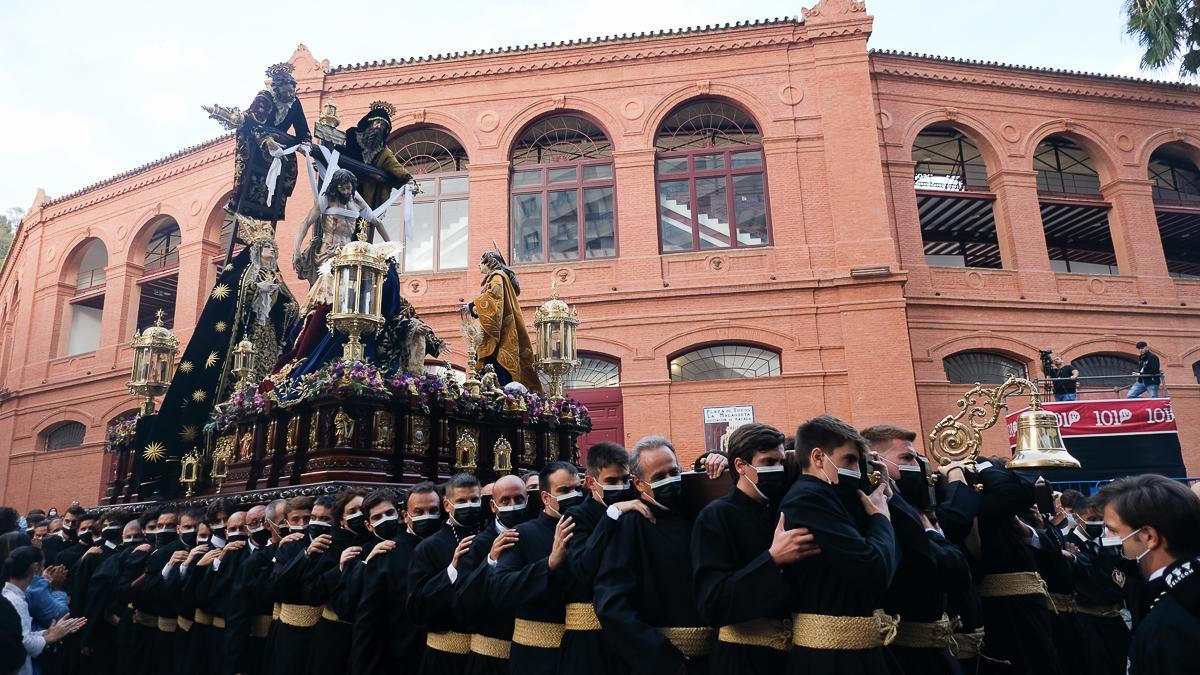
x=765 y=214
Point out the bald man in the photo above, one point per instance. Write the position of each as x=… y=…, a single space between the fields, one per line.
x=211 y=587
x=106 y=606
x=248 y=614
x=491 y=636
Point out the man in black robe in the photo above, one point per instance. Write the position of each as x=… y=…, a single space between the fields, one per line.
x=298 y=615
x=387 y=641
x=107 y=531
x=586 y=649
x=1099 y=591
x=918 y=593
x=491 y=639
x=739 y=550
x=433 y=573
x=531 y=578
x=212 y=583
x=329 y=652
x=249 y=606
x=154 y=605
x=104 y=607
x=644 y=596
x=55 y=543
x=839 y=626
x=1156 y=523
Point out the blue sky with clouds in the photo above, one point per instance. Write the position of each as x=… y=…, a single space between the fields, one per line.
x=90 y=89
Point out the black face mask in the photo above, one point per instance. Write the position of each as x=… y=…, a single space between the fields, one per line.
x=470 y=517
x=165 y=538
x=357 y=524
x=188 y=538
x=316 y=528
x=426 y=526
x=533 y=499
x=387 y=529
x=111 y=535
x=86 y=538
x=133 y=542
x=771 y=483
x=218 y=531
x=668 y=491
x=914 y=487
x=260 y=537
x=1094 y=530
x=615 y=494
x=238 y=536
x=567 y=502
x=512 y=516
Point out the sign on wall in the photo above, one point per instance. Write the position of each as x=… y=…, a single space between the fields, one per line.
x=719 y=422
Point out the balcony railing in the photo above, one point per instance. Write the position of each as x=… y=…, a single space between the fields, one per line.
x=1096 y=387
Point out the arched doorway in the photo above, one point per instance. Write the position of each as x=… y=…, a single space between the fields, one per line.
x=596 y=383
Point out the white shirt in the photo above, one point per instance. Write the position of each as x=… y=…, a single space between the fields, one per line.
x=33 y=640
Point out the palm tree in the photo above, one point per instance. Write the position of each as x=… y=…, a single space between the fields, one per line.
x=1168 y=30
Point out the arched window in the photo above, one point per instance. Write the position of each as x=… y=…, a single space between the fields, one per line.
x=1112 y=370
x=438 y=240
x=63 y=436
x=958 y=225
x=562 y=192
x=981 y=368
x=712 y=188
x=87 y=304
x=1177 y=208
x=160 y=276
x=1074 y=214
x=593 y=372
x=724 y=361
x=1196 y=371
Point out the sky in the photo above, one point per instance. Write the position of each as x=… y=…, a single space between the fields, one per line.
x=90 y=89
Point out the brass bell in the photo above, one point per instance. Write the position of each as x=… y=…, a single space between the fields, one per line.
x=1039 y=443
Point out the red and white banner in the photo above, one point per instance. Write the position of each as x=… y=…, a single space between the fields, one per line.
x=1109 y=417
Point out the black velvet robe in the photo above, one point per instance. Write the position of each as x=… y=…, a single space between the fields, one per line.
x=524 y=584
x=249 y=598
x=329 y=652
x=290 y=644
x=1168 y=638
x=99 y=599
x=1096 y=585
x=474 y=605
x=431 y=598
x=736 y=579
x=387 y=641
x=644 y=583
x=917 y=593
x=588 y=652
x=157 y=597
x=857 y=563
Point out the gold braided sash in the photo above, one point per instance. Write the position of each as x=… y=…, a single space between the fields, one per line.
x=299 y=616
x=968 y=645
x=771 y=633
x=260 y=627
x=488 y=646
x=184 y=623
x=1012 y=584
x=540 y=634
x=167 y=624
x=582 y=616
x=936 y=635
x=1099 y=611
x=330 y=615
x=275 y=610
x=143 y=619
x=205 y=619
x=692 y=641
x=449 y=642
x=822 y=631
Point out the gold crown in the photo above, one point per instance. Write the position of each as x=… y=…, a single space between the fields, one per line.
x=284 y=67
x=384 y=106
x=252 y=230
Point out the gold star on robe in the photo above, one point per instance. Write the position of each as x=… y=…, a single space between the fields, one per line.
x=220 y=326
x=198 y=396
x=211 y=360
x=154 y=452
x=220 y=292
x=189 y=432
x=185 y=366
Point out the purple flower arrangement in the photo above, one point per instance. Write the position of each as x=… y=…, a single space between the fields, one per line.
x=120 y=432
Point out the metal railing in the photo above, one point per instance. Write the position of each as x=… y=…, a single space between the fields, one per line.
x=1097 y=387
x=1089 y=487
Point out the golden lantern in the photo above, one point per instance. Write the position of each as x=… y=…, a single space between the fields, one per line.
x=556 y=323
x=1039 y=443
x=189 y=471
x=154 y=351
x=357 y=294
x=243 y=362
x=221 y=457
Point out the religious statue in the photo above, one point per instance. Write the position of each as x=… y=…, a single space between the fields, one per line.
x=489 y=383
x=385 y=431
x=333 y=220
x=343 y=428
x=504 y=342
x=245 y=447
x=366 y=143
x=262 y=132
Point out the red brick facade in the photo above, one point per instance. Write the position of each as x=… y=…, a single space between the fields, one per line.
x=837 y=123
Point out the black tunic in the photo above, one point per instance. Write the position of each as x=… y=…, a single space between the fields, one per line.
x=249 y=598
x=157 y=598
x=386 y=639
x=474 y=605
x=736 y=579
x=524 y=584
x=289 y=644
x=849 y=577
x=329 y=652
x=644 y=583
x=588 y=652
x=1168 y=639
x=99 y=602
x=431 y=598
x=917 y=593
x=1098 y=585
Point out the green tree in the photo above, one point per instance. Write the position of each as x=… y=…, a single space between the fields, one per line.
x=8 y=227
x=1168 y=31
